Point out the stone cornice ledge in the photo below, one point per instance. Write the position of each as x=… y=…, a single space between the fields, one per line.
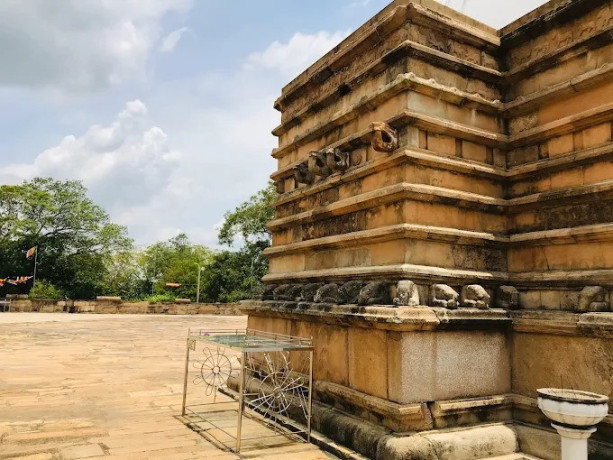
x=421 y=273
x=384 y=317
x=388 y=20
x=563 y=323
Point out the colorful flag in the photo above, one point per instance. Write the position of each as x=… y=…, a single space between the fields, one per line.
x=16 y=281
x=31 y=252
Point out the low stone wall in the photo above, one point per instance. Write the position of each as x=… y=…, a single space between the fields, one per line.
x=113 y=307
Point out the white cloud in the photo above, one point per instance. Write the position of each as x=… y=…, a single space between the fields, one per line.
x=208 y=150
x=170 y=41
x=79 y=45
x=126 y=164
x=297 y=54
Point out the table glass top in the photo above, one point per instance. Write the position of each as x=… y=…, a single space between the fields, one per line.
x=251 y=340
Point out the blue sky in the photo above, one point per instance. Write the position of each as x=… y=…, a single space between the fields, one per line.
x=164 y=107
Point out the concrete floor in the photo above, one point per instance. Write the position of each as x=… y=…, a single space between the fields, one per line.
x=106 y=386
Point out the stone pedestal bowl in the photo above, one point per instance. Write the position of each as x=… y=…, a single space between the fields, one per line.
x=573 y=408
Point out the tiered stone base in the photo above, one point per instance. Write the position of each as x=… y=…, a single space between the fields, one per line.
x=400 y=383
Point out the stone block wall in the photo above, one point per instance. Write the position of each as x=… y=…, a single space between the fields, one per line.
x=114 y=307
x=432 y=161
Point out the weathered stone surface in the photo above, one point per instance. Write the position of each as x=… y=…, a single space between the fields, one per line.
x=108 y=299
x=309 y=291
x=103 y=408
x=457 y=188
x=350 y=291
x=507 y=298
x=475 y=296
x=318 y=164
x=302 y=175
x=443 y=296
x=327 y=294
x=384 y=138
x=294 y=294
x=593 y=298
x=337 y=160
x=269 y=291
x=374 y=294
x=282 y=292
x=407 y=294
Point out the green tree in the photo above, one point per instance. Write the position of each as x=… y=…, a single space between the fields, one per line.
x=233 y=275
x=236 y=275
x=45 y=291
x=174 y=261
x=125 y=276
x=74 y=236
x=248 y=221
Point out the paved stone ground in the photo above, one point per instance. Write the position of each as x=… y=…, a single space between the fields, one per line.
x=107 y=386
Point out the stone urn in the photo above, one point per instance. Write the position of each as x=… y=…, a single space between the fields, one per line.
x=574 y=414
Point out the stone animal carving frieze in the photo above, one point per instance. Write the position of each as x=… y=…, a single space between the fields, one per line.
x=288 y=292
x=443 y=296
x=268 y=292
x=318 y=164
x=407 y=294
x=337 y=160
x=593 y=298
x=384 y=138
x=375 y=293
x=309 y=291
x=302 y=175
x=280 y=187
x=327 y=294
x=507 y=297
x=350 y=291
x=475 y=296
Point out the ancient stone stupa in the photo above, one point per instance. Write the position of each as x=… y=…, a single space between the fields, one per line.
x=444 y=228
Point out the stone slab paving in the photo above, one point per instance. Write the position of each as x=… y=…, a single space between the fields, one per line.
x=107 y=387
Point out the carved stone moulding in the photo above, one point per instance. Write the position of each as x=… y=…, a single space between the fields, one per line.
x=593 y=298
x=302 y=175
x=323 y=163
x=475 y=296
x=587 y=300
x=384 y=138
x=403 y=293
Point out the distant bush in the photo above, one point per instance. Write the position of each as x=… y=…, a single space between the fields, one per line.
x=161 y=298
x=45 y=291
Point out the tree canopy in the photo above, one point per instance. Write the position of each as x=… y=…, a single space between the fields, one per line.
x=81 y=253
x=237 y=275
x=249 y=219
x=74 y=236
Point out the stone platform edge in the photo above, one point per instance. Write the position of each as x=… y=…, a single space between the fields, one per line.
x=113 y=306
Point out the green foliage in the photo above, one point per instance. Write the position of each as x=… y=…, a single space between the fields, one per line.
x=174 y=261
x=82 y=254
x=125 y=276
x=45 y=291
x=233 y=276
x=249 y=219
x=160 y=298
x=74 y=236
x=236 y=275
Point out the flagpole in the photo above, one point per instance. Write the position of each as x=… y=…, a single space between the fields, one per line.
x=35 y=263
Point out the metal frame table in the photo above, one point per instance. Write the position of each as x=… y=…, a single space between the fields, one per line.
x=272 y=372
